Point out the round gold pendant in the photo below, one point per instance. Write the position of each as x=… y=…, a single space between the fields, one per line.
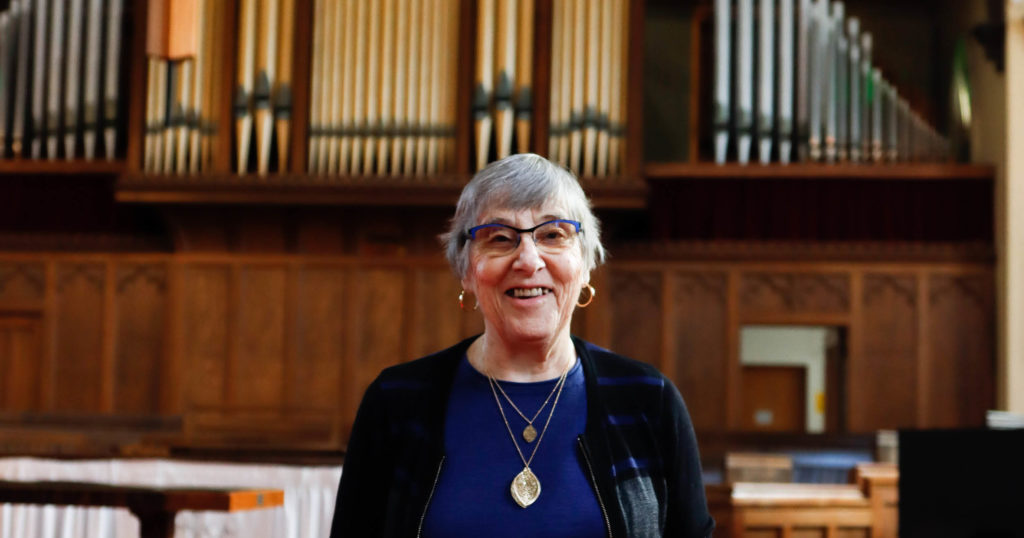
x=525 y=488
x=529 y=433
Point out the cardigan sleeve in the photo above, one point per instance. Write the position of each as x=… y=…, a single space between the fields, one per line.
x=687 y=514
x=362 y=497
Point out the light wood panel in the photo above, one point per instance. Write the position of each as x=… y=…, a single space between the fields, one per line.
x=961 y=337
x=256 y=372
x=20 y=383
x=699 y=354
x=883 y=380
x=140 y=331
x=79 y=371
x=313 y=375
x=205 y=327
x=636 y=298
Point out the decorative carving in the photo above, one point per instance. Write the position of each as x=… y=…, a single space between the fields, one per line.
x=93 y=273
x=977 y=288
x=689 y=283
x=642 y=284
x=154 y=274
x=32 y=273
x=809 y=251
x=814 y=292
x=822 y=292
x=903 y=286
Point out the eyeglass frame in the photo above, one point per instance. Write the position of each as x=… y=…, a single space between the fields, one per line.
x=471 y=233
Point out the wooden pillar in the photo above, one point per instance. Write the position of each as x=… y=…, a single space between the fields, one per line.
x=1010 y=196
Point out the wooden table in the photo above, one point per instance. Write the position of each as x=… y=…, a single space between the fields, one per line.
x=155 y=507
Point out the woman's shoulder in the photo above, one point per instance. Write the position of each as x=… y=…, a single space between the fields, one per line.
x=438 y=366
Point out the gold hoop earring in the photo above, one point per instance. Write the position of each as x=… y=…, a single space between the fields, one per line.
x=462 y=303
x=586 y=296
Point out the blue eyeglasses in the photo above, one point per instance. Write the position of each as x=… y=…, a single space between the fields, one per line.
x=498 y=239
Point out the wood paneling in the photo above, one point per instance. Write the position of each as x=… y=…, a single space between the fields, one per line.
x=204 y=341
x=636 y=298
x=961 y=336
x=78 y=370
x=255 y=378
x=883 y=379
x=141 y=317
x=374 y=330
x=435 y=316
x=20 y=379
x=787 y=292
x=699 y=330
x=313 y=376
x=276 y=350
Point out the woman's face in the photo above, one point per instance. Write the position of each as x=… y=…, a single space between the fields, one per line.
x=528 y=295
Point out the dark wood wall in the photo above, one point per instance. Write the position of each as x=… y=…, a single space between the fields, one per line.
x=273 y=351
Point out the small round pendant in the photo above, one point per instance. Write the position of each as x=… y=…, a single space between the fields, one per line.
x=529 y=433
x=525 y=488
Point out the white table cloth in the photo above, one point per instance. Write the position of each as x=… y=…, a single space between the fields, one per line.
x=309 y=493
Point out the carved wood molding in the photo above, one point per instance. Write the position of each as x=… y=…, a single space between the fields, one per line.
x=32 y=273
x=689 y=284
x=903 y=286
x=155 y=274
x=81 y=242
x=790 y=251
x=977 y=288
x=645 y=284
x=793 y=292
x=93 y=273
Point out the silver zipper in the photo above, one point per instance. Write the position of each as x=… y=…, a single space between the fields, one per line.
x=593 y=482
x=423 y=516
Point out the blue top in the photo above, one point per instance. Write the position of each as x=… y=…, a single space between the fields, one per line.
x=472 y=496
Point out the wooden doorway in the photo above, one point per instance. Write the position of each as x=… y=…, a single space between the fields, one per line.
x=774 y=398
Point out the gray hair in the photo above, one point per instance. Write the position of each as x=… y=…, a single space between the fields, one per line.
x=519 y=182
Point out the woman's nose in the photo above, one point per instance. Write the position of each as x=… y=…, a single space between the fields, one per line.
x=527 y=256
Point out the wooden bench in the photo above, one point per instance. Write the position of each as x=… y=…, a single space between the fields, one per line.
x=757 y=467
x=865 y=508
x=155 y=507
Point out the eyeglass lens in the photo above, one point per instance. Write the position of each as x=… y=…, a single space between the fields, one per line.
x=501 y=239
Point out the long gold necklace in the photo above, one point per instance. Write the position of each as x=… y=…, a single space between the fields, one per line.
x=529 y=432
x=525 y=486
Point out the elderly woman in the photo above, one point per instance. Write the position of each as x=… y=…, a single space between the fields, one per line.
x=523 y=430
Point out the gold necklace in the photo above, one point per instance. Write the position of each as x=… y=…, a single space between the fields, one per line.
x=525 y=486
x=529 y=432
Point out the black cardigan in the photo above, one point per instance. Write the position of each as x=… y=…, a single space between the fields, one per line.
x=638 y=448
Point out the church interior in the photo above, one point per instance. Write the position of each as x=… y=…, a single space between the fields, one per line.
x=219 y=222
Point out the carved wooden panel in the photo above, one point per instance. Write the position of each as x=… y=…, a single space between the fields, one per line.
x=78 y=370
x=256 y=372
x=636 y=298
x=314 y=373
x=204 y=345
x=376 y=329
x=21 y=282
x=883 y=379
x=961 y=336
x=20 y=376
x=795 y=292
x=436 y=321
x=141 y=310
x=699 y=318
